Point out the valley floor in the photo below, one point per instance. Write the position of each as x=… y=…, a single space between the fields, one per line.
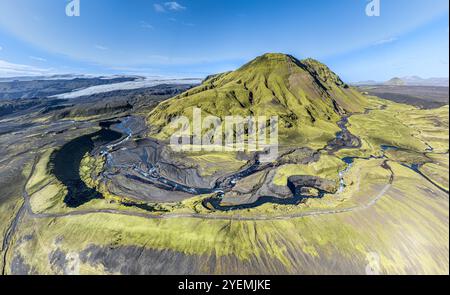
x=388 y=214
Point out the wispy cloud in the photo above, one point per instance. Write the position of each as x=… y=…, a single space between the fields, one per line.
x=8 y=69
x=159 y=7
x=1 y=48
x=100 y=47
x=36 y=58
x=146 y=25
x=385 y=41
x=172 y=6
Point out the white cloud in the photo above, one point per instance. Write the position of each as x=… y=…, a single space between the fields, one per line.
x=385 y=41
x=101 y=47
x=146 y=25
x=8 y=69
x=1 y=48
x=174 y=6
x=36 y=58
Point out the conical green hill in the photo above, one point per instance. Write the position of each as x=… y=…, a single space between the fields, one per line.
x=306 y=95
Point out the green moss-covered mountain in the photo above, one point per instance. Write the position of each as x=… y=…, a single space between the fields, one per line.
x=305 y=94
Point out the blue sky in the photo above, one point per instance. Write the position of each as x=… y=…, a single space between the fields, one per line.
x=198 y=37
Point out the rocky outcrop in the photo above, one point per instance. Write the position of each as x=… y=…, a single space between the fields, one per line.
x=298 y=183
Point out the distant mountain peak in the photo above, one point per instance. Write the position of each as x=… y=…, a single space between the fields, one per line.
x=396 y=81
x=413 y=80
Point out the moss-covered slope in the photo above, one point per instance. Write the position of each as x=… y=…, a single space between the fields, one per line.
x=306 y=95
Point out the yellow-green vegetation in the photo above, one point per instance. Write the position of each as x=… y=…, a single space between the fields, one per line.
x=308 y=97
x=212 y=162
x=327 y=167
x=305 y=95
x=49 y=197
x=363 y=184
x=333 y=243
x=438 y=170
x=45 y=191
x=402 y=126
x=384 y=210
x=431 y=125
x=383 y=127
x=90 y=169
x=366 y=151
x=41 y=172
x=406 y=157
x=356 y=192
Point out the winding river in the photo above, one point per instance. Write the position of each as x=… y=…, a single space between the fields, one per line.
x=66 y=162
